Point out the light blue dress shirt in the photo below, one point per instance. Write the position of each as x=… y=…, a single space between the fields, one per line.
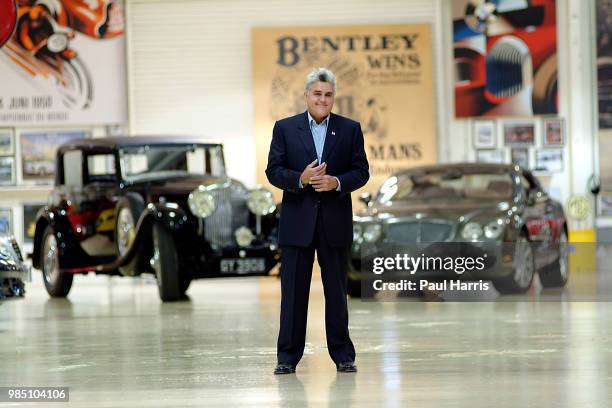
x=319 y=132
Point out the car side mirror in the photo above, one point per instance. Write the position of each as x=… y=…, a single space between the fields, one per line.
x=365 y=198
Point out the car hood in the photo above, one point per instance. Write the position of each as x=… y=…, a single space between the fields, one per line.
x=440 y=210
x=178 y=185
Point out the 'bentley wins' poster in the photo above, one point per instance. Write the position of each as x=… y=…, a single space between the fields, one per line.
x=384 y=81
x=64 y=64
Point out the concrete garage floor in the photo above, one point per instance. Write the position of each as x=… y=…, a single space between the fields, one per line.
x=115 y=345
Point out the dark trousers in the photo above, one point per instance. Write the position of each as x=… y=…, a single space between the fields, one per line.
x=296 y=274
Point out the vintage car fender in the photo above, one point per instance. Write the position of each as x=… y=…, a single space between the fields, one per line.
x=69 y=250
x=74 y=259
x=172 y=218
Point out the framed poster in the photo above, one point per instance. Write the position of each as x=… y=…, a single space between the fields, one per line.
x=520 y=156
x=505 y=57
x=554 y=132
x=7 y=142
x=603 y=14
x=6 y=221
x=549 y=160
x=29 y=220
x=399 y=131
x=7 y=171
x=79 y=77
x=519 y=134
x=490 y=156
x=484 y=134
x=38 y=151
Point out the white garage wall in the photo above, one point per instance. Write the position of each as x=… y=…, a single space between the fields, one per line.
x=190 y=61
x=190 y=71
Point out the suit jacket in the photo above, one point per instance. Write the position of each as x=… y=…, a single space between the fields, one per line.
x=291 y=150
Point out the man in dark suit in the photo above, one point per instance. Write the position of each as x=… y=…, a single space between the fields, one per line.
x=317 y=158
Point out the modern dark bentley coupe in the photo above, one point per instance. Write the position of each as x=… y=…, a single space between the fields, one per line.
x=499 y=213
x=133 y=205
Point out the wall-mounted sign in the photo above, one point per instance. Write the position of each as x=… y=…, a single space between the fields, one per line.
x=505 y=55
x=64 y=64
x=578 y=207
x=384 y=76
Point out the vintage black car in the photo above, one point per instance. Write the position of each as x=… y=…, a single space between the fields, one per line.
x=494 y=212
x=156 y=205
x=13 y=271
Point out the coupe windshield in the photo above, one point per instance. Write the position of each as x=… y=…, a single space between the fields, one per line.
x=446 y=185
x=154 y=161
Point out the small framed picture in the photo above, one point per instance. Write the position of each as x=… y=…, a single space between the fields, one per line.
x=519 y=134
x=6 y=221
x=29 y=220
x=554 y=132
x=7 y=142
x=520 y=156
x=7 y=171
x=549 y=160
x=117 y=130
x=38 y=149
x=605 y=205
x=490 y=156
x=484 y=134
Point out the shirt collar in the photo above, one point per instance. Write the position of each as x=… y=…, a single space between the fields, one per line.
x=311 y=120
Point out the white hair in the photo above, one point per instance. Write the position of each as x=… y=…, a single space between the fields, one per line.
x=320 y=74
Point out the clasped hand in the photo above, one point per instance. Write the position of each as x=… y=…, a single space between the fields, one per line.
x=315 y=175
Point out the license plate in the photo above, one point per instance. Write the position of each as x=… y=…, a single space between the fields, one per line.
x=243 y=265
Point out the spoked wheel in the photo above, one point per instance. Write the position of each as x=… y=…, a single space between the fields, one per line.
x=126 y=230
x=520 y=279
x=57 y=284
x=127 y=214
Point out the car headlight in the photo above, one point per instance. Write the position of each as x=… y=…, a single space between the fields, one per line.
x=244 y=236
x=261 y=201
x=472 y=231
x=372 y=232
x=201 y=202
x=494 y=229
x=357 y=232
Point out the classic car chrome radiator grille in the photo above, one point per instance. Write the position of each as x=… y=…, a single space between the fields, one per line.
x=417 y=231
x=232 y=212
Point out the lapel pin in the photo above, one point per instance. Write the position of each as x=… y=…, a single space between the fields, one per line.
x=333 y=133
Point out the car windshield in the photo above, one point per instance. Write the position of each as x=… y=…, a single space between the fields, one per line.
x=157 y=161
x=446 y=185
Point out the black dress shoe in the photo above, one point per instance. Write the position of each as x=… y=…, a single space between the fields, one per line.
x=348 y=367
x=284 y=368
